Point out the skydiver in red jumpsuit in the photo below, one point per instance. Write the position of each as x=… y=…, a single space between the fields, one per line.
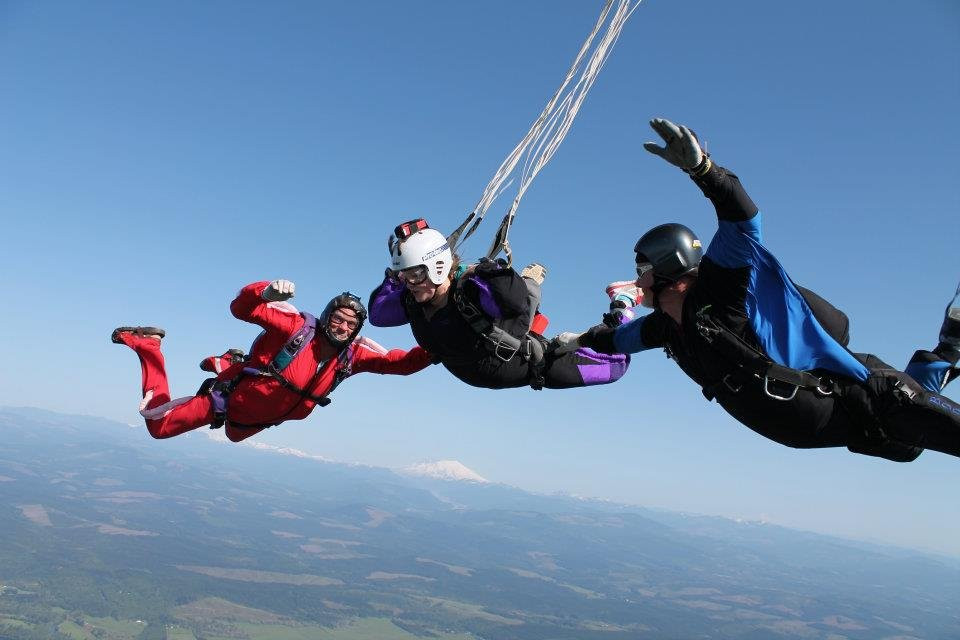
x=264 y=390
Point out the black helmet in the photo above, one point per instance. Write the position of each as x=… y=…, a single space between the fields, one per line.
x=350 y=301
x=673 y=250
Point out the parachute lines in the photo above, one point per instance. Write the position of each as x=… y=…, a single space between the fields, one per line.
x=543 y=139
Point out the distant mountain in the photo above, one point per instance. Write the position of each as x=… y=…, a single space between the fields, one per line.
x=444 y=470
x=107 y=533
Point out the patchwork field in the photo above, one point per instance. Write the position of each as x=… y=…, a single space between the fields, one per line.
x=109 y=536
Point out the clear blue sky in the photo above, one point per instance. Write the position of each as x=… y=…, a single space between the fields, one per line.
x=158 y=156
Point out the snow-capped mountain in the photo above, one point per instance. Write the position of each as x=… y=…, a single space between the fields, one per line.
x=444 y=470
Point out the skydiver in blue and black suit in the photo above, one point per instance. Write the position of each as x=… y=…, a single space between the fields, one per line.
x=771 y=353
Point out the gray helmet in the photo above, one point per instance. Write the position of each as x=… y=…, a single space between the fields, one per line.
x=350 y=301
x=673 y=250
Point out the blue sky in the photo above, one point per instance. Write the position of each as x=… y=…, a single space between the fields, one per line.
x=158 y=156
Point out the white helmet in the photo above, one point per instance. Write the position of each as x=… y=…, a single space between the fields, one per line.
x=426 y=247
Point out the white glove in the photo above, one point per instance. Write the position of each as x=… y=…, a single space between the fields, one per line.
x=682 y=148
x=565 y=342
x=278 y=290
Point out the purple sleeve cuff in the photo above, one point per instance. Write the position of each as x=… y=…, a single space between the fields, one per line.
x=386 y=305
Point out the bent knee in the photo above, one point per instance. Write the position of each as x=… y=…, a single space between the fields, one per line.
x=234 y=435
x=159 y=431
x=238 y=434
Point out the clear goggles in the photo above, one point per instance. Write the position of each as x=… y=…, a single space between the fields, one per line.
x=337 y=318
x=413 y=275
x=643 y=268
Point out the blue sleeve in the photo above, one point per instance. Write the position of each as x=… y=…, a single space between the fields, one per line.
x=628 y=338
x=930 y=371
x=732 y=244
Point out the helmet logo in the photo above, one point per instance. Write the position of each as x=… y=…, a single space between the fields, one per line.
x=436 y=252
x=696 y=243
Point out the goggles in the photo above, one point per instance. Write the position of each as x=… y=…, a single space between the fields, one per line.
x=643 y=268
x=413 y=275
x=404 y=230
x=407 y=229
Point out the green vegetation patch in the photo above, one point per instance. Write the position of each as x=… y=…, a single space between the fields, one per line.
x=14 y=622
x=249 y=575
x=359 y=629
x=101 y=628
x=179 y=633
x=208 y=609
x=467 y=610
x=114 y=627
x=73 y=630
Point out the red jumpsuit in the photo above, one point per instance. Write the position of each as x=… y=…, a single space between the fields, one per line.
x=258 y=402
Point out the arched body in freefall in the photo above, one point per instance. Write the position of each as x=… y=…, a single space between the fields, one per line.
x=267 y=388
x=480 y=321
x=771 y=353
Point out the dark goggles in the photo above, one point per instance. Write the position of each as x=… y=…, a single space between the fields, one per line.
x=643 y=268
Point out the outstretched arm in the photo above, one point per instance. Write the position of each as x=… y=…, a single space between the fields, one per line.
x=637 y=335
x=264 y=304
x=738 y=216
x=368 y=356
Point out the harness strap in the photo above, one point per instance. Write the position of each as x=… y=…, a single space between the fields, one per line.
x=502 y=344
x=343 y=371
x=498 y=341
x=868 y=407
x=220 y=390
x=295 y=343
x=751 y=362
x=289 y=386
x=538 y=363
x=218 y=398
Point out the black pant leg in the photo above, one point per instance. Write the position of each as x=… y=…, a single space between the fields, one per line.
x=917 y=416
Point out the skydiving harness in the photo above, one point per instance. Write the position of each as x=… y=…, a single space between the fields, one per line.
x=779 y=382
x=499 y=342
x=220 y=390
x=782 y=383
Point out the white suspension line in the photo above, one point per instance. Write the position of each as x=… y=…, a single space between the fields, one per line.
x=551 y=126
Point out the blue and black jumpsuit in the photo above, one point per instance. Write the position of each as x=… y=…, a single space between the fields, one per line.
x=862 y=403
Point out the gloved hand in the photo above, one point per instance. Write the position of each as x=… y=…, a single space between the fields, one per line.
x=278 y=290
x=618 y=316
x=564 y=343
x=682 y=148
